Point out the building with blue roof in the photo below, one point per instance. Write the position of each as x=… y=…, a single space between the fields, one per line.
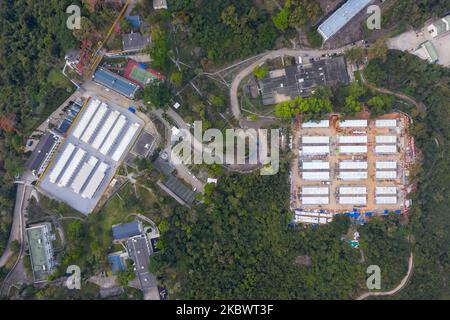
x=127 y=230
x=117 y=263
x=135 y=21
x=341 y=17
x=115 y=82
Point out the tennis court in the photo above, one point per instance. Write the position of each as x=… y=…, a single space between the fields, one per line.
x=142 y=75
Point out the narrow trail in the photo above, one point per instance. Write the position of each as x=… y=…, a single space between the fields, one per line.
x=420 y=106
x=397 y=288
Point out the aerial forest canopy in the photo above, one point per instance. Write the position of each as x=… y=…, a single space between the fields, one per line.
x=430 y=216
x=33 y=41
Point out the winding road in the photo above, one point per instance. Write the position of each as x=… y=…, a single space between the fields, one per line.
x=304 y=53
x=397 y=288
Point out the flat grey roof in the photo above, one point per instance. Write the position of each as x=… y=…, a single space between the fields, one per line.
x=67 y=194
x=43 y=148
x=341 y=17
x=144 y=144
x=177 y=186
x=140 y=251
x=301 y=80
x=134 y=41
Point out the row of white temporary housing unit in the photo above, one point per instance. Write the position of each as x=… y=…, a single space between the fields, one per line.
x=315 y=140
x=318 y=124
x=386 y=123
x=104 y=133
x=58 y=168
x=353 y=123
x=306 y=219
x=95 y=181
x=64 y=170
x=316 y=150
x=353 y=175
x=84 y=173
x=352 y=190
x=386 y=190
x=352 y=139
x=71 y=167
x=386 y=200
x=315 y=165
x=390 y=148
x=381 y=123
x=386 y=165
x=352 y=149
x=316 y=175
x=314 y=190
x=386 y=139
x=315 y=200
x=344 y=165
x=386 y=174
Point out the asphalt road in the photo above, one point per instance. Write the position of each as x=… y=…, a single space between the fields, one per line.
x=23 y=193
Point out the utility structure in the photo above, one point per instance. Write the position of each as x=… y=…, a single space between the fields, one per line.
x=97 y=55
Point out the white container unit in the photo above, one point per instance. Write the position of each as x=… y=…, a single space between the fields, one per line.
x=101 y=136
x=95 y=181
x=112 y=137
x=320 y=124
x=83 y=174
x=386 y=123
x=126 y=141
x=391 y=148
x=318 y=176
x=70 y=170
x=386 y=190
x=352 y=190
x=353 y=175
x=386 y=175
x=88 y=113
x=353 y=123
x=315 y=165
x=315 y=140
x=386 y=139
x=386 y=200
x=353 y=165
x=352 y=149
x=95 y=122
x=314 y=200
x=352 y=139
x=386 y=165
x=61 y=163
x=314 y=191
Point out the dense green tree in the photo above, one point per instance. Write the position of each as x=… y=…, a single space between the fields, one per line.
x=261 y=71
x=158 y=94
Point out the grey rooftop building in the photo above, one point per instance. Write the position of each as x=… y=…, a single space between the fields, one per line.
x=134 y=41
x=302 y=79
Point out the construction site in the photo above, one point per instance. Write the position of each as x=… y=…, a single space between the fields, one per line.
x=357 y=167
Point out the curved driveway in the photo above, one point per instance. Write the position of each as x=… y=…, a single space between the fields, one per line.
x=304 y=53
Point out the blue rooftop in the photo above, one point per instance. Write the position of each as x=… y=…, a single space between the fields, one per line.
x=64 y=126
x=115 y=82
x=127 y=230
x=135 y=21
x=116 y=264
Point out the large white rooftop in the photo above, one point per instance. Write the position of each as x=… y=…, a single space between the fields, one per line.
x=341 y=17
